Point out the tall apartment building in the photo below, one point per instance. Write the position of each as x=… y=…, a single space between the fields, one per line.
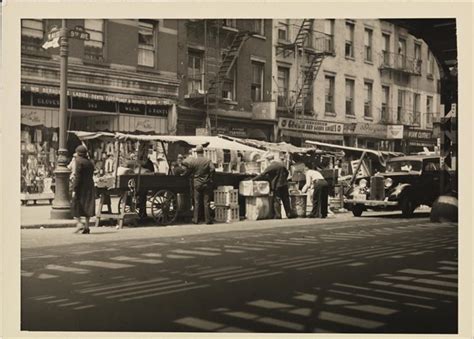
x=375 y=85
x=225 y=68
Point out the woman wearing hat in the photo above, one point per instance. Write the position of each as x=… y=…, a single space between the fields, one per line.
x=83 y=192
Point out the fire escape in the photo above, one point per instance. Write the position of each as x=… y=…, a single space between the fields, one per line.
x=312 y=51
x=221 y=50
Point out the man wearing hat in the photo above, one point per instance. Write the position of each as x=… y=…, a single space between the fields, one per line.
x=277 y=174
x=202 y=171
x=178 y=167
x=83 y=191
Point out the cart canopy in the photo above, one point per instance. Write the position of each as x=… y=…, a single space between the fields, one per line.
x=81 y=135
x=213 y=142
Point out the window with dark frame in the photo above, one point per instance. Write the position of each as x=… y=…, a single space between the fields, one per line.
x=283 y=81
x=368 y=44
x=349 y=50
x=257 y=81
x=146 y=43
x=350 y=97
x=329 y=35
x=32 y=34
x=401 y=106
x=402 y=53
x=385 y=103
x=94 y=48
x=230 y=23
x=429 y=109
x=329 y=93
x=430 y=64
x=283 y=31
x=418 y=61
x=386 y=49
x=195 y=71
x=368 y=99
x=259 y=26
x=416 y=109
x=229 y=85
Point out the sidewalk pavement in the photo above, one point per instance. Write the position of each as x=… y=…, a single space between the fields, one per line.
x=38 y=216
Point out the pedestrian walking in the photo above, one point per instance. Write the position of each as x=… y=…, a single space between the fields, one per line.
x=277 y=174
x=83 y=191
x=202 y=172
x=316 y=181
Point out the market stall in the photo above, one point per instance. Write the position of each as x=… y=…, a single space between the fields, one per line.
x=156 y=191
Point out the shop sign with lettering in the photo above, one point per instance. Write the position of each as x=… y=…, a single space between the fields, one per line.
x=32 y=117
x=144 y=125
x=395 y=132
x=239 y=132
x=371 y=130
x=44 y=100
x=419 y=134
x=132 y=108
x=93 y=105
x=157 y=111
x=311 y=126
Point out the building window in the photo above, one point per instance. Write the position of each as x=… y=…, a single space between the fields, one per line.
x=259 y=26
x=32 y=34
x=230 y=23
x=368 y=44
x=401 y=106
x=367 y=99
x=146 y=43
x=386 y=49
x=195 y=72
x=429 y=109
x=229 y=85
x=416 y=109
x=350 y=97
x=329 y=35
x=418 y=61
x=349 y=40
x=385 y=112
x=402 y=53
x=283 y=81
x=430 y=64
x=329 y=93
x=257 y=81
x=283 y=31
x=94 y=48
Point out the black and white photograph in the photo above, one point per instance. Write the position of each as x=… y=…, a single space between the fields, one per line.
x=238 y=175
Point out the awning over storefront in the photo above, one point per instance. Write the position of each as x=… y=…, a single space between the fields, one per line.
x=91 y=135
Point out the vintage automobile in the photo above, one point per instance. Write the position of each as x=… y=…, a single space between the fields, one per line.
x=408 y=182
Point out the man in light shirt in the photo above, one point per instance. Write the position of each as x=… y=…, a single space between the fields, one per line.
x=316 y=181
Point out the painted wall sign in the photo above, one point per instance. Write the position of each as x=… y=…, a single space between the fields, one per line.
x=311 y=126
x=418 y=134
x=395 y=132
x=158 y=110
x=93 y=105
x=371 y=130
x=132 y=108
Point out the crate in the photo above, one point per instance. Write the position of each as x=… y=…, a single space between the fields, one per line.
x=226 y=198
x=258 y=208
x=227 y=213
x=210 y=154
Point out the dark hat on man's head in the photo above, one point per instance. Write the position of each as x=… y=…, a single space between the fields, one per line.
x=180 y=156
x=81 y=150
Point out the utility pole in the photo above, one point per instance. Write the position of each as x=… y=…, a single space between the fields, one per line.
x=61 y=208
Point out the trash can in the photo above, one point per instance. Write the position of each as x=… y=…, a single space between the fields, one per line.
x=298 y=204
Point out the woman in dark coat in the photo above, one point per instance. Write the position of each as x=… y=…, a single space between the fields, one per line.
x=83 y=191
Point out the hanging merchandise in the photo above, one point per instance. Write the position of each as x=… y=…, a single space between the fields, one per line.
x=38 y=135
x=109 y=148
x=55 y=137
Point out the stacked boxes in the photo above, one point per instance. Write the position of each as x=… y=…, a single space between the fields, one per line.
x=257 y=199
x=226 y=200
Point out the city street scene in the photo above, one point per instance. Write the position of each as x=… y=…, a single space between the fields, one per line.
x=239 y=175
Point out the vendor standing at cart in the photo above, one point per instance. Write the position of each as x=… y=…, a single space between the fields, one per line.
x=202 y=171
x=177 y=167
x=316 y=181
x=277 y=174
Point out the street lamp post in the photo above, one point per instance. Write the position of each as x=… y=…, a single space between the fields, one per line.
x=61 y=208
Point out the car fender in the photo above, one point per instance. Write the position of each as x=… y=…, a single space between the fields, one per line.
x=399 y=191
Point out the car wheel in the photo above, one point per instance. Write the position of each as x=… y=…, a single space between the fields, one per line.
x=357 y=210
x=408 y=206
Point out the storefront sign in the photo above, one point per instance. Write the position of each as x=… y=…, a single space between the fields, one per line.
x=132 y=109
x=239 y=132
x=311 y=126
x=157 y=111
x=144 y=125
x=32 y=117
x=93 y=105
x=371 y=130
x=419 y=134
x=395 y=132
x=312 y=136
x=43 y=100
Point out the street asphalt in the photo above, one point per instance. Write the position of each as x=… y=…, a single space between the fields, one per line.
x=379 y=273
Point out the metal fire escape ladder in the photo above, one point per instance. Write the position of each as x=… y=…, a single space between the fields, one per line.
x=303 y=32
x=225 y=67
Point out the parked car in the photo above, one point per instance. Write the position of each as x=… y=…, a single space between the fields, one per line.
x=408 y=182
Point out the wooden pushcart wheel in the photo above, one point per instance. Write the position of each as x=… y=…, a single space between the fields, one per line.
x=164 y=207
